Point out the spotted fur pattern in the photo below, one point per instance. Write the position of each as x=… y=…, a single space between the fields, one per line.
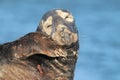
x=48 y=54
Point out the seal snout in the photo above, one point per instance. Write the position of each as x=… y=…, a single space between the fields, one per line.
x=66 y=37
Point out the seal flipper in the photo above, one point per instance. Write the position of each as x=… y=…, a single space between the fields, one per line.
x=34 y=43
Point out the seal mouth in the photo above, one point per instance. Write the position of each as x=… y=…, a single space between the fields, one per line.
x=66 y=38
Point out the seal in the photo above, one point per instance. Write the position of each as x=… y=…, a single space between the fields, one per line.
x=50 y=53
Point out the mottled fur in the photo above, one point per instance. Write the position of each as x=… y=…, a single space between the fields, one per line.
x=39 y=56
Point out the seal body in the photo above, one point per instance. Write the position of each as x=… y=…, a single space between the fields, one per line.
x=50 y=53
x=17 y=57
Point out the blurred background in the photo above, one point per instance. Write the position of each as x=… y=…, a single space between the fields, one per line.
x=98 y=23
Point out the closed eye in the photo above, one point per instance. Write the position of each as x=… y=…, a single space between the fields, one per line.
x=66 y=17
x=69 y=18
x=49 y=26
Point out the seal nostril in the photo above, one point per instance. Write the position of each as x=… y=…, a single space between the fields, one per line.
x=62 y=29
x=62 y=34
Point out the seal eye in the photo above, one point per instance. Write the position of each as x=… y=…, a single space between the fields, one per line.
x=66 y=17
x=49 y=26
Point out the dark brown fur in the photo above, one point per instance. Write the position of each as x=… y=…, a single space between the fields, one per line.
x=39 y=56
x=31 y=58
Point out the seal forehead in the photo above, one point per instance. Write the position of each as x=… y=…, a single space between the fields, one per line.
x=48 y=20
x=65 y=15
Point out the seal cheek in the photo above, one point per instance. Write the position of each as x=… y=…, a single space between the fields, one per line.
x=74 y=37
